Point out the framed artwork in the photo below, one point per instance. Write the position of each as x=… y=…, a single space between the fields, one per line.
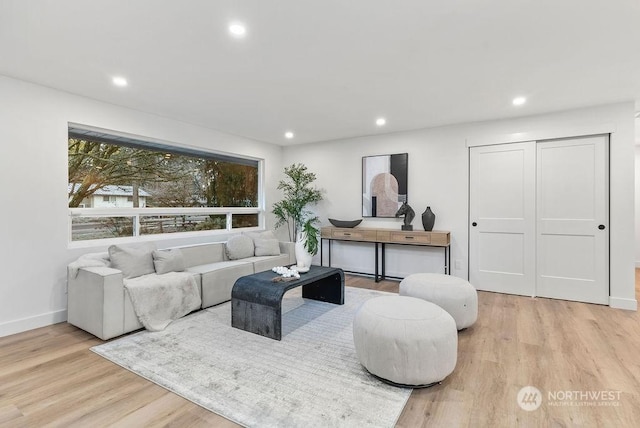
x=384 y=184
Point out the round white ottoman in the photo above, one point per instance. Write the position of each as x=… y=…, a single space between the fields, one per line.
x=455 y=295
x=405 y=341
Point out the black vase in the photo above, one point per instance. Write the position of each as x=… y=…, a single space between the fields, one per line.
x=428 y=219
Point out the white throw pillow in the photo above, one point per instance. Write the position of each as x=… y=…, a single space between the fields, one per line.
x=239 y=247
x=267 y=247
x=133 y=261
x=166 y=261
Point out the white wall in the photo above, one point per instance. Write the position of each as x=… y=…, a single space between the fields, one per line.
x=33 y=167
x=637 y=205
x=438 y=177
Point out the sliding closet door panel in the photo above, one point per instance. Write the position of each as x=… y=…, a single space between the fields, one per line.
x=573 y=221
x=501 y=205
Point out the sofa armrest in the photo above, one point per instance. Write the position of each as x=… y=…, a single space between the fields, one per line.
x=95 y=301
x=289 y=248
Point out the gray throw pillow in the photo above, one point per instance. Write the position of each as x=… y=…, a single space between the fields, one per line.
x=267 y=247
x=166 y=261
x=239 y=247
x=267 y=234
x=133 y=261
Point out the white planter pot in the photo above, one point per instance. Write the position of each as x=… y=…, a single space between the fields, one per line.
x=303 y=257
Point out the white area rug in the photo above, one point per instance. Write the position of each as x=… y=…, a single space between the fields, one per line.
x=312 y=378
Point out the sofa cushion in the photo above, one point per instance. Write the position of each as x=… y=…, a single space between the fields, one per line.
x=264 y=234
x=210 y=267
x=239 y=247
x=218 y=279
x=133 y=261
x=166 y=261
x=261 y=264
x=266 y=247
x=201 y=254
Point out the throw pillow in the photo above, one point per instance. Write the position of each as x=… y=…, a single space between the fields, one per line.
x=267 y=234
x=166 y=261
x=239 y=247
x=132 y=261
x=261 y=235
x=267 y=247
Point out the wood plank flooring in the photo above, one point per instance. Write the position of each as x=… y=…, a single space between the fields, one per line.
x=48 y=376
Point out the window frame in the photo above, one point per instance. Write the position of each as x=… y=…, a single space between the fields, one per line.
x=136 y=213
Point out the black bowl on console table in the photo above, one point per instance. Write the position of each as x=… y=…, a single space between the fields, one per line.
x=345 y=223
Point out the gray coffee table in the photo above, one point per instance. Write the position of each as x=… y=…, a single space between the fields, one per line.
x=256 y=301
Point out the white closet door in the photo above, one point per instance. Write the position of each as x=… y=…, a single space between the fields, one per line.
x=502 y=216
x=573 y=219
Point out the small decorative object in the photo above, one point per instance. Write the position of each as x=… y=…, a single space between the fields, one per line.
x=282 y=279
x=345 y=223
x=428 y=219
x=303 y=256
x=286 y=272
x=408 y=213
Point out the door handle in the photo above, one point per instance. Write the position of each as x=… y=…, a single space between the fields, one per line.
x=601 y=227
x=474 y=224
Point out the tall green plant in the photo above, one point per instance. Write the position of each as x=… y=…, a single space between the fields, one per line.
x=292 y=210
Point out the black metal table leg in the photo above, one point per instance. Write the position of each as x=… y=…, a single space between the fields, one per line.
x=447 y=260
x=383 y=261
x=376 y=265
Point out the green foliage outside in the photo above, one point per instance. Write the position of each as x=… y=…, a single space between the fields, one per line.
x=172 y=180
x=292 y=210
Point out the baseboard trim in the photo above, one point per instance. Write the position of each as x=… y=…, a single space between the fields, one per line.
x=25 y=324
x=620 y=303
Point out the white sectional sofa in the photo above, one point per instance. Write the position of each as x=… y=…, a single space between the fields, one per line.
x=99 y=303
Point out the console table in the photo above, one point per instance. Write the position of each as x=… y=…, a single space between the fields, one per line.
x=383 y=237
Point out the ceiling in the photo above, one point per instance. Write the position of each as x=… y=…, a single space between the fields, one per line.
x=327 y=69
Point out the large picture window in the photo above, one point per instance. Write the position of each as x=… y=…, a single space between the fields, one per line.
x=125 y=187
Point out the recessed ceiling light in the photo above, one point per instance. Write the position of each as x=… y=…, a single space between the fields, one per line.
x=381 y=121
x=288 y=135
x=119 y=81
x=237 y=29
x=518 y=101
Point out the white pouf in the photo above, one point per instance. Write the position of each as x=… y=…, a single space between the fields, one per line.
x=405 y=341
x=455 y=295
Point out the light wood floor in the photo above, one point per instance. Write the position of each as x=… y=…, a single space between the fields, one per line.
x=48 y=376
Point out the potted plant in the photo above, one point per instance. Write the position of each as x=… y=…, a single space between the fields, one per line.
x=292 y=211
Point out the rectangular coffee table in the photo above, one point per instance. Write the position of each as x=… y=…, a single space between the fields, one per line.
x=256 y=301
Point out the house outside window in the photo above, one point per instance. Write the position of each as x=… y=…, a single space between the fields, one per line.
x=125 y=187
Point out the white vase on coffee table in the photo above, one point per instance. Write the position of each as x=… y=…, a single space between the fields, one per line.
x=303 y=256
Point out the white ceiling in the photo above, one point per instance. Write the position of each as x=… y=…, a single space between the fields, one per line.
x=326 y=69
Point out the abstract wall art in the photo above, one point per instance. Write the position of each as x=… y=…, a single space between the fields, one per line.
x=384 y=184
